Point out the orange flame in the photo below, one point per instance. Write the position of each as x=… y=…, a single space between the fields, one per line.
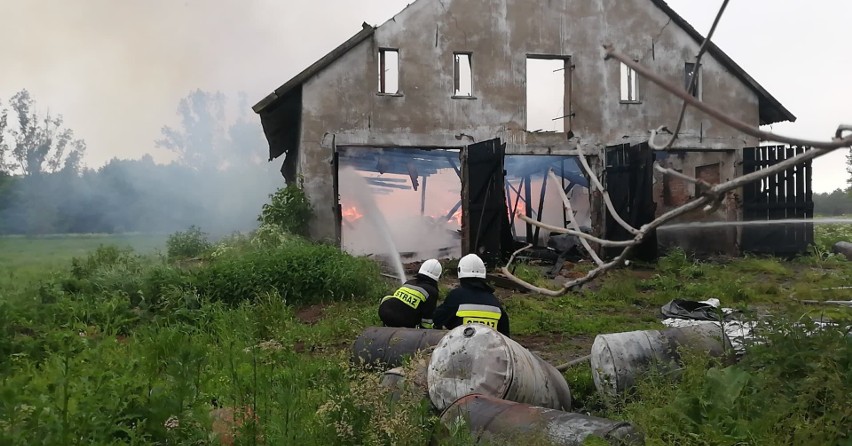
x=351 y=214
x=457 y=217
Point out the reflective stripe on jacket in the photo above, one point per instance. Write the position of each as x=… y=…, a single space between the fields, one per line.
x=479 y=314
x=411 y=295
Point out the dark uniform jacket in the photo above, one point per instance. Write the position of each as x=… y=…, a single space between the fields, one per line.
x=412 y=305
x=472 y=302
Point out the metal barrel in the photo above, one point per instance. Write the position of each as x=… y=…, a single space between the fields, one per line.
x=493 y=419
x=477 y=359
x=618 y=358
x=388 y=347
x=843 y=248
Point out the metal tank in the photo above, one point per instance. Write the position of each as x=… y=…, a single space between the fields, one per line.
x=618 y=358
x=477 y=359
x=490 y=419
x=388 y=347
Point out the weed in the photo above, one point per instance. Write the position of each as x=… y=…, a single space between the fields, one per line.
x=825 y=236
x=123 y=348
x=300 y=271
x=187 y=244
x=289 y=209
x=789 y=390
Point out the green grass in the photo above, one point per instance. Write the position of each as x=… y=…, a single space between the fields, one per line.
x=35 y=254
x=114 y=347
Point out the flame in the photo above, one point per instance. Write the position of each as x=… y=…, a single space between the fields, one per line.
x=442 y=217
x=351 y=214
x=457 y=217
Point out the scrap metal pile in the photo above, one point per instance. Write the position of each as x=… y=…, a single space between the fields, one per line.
x=498 y=389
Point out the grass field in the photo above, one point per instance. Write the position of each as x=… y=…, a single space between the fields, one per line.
x=130 y=347
x=21 y=255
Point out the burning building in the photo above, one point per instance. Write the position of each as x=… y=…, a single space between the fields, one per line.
x=452 y=112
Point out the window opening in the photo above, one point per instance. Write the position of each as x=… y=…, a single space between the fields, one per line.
x=388 y=71
x=629 y=84
x=546 y=94
x=462 y=75
x=689 y=68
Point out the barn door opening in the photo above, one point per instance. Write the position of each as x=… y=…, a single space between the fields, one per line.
x=485 y=229
x=629 y=181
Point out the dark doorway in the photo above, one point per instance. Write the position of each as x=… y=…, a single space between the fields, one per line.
x=485 y=229
x=629 y=181
x=785 y=195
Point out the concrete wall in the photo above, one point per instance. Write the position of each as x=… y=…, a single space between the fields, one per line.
x=341 y=106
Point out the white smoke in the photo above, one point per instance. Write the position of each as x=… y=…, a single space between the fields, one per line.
x=419 y=236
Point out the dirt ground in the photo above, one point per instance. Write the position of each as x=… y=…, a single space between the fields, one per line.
x=311 y=314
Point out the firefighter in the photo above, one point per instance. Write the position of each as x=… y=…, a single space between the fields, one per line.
x=473 y=301
x=414 y=302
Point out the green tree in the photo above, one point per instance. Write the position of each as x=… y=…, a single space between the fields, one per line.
x=36 y=143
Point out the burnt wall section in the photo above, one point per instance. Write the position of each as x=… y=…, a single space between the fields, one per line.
x=341 y=104
x=671 y=192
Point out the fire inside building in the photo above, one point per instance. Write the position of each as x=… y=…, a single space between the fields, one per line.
x=447 y=118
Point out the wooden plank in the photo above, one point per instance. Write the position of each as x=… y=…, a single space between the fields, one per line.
x=800 y=198
x=792 y=231
x=465 y=199
x=809 y=199
x=540 y=208
x=766 y=207
x=528 y=206
x=749 y=190
x=772 y=198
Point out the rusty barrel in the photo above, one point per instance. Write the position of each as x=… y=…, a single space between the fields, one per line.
x=388 y=347
x=477 y=359
x=617 y=359
x=493 y=419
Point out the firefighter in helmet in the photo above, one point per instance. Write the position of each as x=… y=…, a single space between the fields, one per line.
x=473 y=301
x=414 y=302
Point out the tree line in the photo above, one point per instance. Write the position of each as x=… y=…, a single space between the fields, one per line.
x=219 y=178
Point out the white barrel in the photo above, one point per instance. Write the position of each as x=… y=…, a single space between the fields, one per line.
x=618 y=358
x=477 y=359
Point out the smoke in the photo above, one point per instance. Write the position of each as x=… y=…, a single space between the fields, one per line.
x=116 y=68
x=419 y=237
x=220 y=185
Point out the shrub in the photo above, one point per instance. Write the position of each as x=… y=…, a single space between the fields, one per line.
x=371 y=413
x=190 y=243
x=289 y=209
x=825 y=236
x=792 y=389
x=299 y=271
x=104 y=256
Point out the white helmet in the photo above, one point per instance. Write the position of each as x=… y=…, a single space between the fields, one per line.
x=471 y=266
x=431 y=269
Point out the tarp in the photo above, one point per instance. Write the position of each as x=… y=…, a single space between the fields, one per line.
x=688 y=309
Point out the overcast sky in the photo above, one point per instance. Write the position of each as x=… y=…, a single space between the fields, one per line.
x=116 y=69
